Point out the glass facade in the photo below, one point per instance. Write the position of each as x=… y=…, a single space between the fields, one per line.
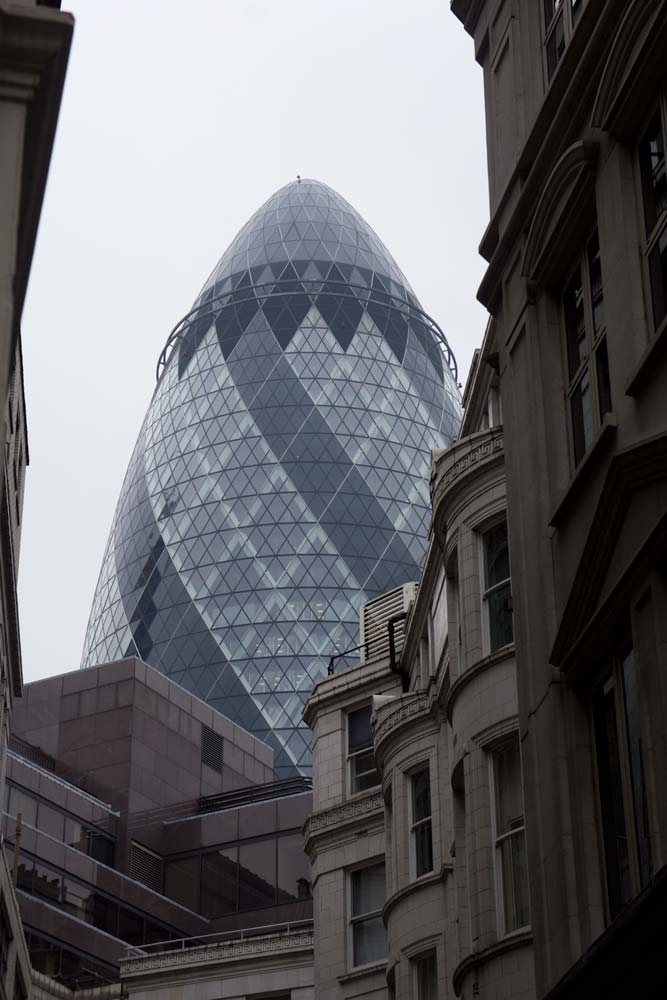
x=280 y=477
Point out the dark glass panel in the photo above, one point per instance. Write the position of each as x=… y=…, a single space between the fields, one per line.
x=77 y=898
x=634 y=736
x=369 y=941
x=105 y=914
x=181 y=881
x=576 y=8
x=101 y=848
x=421 y=795
x=575 y=323
x=130 y=926
x=581 y=406
x=515 y=881
x=257 y=875
x=368 y=889
x=556 y=45
x=46 y=883
x=423 y=849
x=501 y=627
x=496 y=555
x=21 y=802
x=359 y=735
x=595 y=276
x=657 y=265
x=654 y=173
x=604 y=385
x=293 y=870
x=614 y=829
x=219 y=871
x=50 y=821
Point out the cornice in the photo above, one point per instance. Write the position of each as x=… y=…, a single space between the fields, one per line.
x=521 y=939
x=348 y=813
x=224 y=952
x=390 y=719
x=414 y=887
x=466 y=459
x=469 y=675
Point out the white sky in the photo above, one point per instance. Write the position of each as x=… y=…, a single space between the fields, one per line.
x=178 y=120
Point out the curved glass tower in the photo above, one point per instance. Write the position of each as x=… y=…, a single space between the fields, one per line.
x=280 y=477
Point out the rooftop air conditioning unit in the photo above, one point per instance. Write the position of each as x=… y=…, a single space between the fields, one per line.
x=375 y=616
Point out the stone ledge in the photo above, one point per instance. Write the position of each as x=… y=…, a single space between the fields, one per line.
x=519 y=939
x=229 y=951
x=397 y=714
x=344 y=814
x=408 y=890
x=363 y=971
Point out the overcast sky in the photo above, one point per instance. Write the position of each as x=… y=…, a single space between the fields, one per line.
x=177 y=121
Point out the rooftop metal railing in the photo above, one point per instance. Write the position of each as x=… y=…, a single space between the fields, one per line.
x=265 y=931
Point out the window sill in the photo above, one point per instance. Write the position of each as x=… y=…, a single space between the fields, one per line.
x=590 y=460
x=372 y=969
x=647 y=364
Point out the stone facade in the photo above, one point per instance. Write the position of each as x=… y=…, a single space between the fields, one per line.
x=576 y=284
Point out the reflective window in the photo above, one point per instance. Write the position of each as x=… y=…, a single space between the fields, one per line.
x=369 y=937
x=220 y=882
x=362 y=771
x=257 y=875
x=293 y=870
x=511 y=866
x=589 y=387
x=654 y=188
x=560 y=19
x=181 y=882
x=497 y=594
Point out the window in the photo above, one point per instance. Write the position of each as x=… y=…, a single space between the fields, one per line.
x=560 y=19
x=497 y=598
x=426 y=975
x=369 y=938
x=654 y=191
x=421 y=835
x=589 y=390
x=361 y=759
x=622 y=790
x=5 y=940
x=511 y=871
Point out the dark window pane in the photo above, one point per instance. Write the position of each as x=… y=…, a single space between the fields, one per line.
x=181 y=882
x=555 y=45
x=77 y=898
x=637 y=767
x=257 y=875
x=611 y=796
x=20 y=802
x=220 y=882
x=550 y=8
x=368 y=890
x=575 y=323
x=582 y=418
x=130 y=927
x=604 y=387
x=101 y=848
x=654 y=177
x=24 y=874
x=369 y=941
x=595 y=276
x=515 y=881
x=421 y=795
x=657 y=265
x=364 y=773
x=508 y=793
x=576 y=6
x=500 y=617
x=105 y=915
x=496 y=555
x=51 y=821
x=359 y=734
x=75 y=834
x=46 y=883
x=427 y=978
x=423 y=849
x=293 y=870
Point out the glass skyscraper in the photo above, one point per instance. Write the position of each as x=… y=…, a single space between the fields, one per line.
x=280 y=477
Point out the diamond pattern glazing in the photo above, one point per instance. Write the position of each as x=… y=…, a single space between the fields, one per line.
x=280 y=477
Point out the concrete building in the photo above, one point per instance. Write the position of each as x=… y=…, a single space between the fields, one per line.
x=576 y=112
x=417 y=837
x=147 y=819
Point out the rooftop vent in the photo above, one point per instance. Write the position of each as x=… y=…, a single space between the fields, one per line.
x=212 y=748
x=375 y=616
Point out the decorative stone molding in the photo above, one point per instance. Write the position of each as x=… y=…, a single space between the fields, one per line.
x=229 y=951
x=520 y=939
x=392 y=717
x=348 y=812
x=466 y=456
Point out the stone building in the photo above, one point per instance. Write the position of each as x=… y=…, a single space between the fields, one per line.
x=417 y=838
x=576 y=112
x=34 y=49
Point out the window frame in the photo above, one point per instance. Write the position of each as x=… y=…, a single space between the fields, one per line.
x=485 y=591
x=650 y=240
x=412 y=774
x=498 y=839
x=418 y=963
x=588 y=364
x=567 y=13
x=351 y=756
x=613 y=673
x=356 y=919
